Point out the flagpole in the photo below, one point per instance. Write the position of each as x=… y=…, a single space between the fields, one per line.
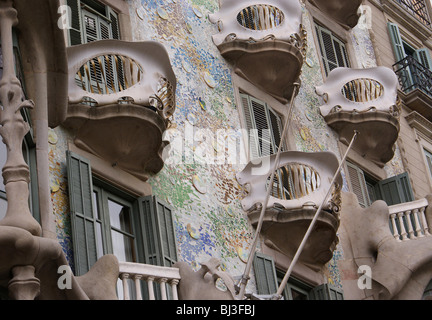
x=245 y=278
x=284 y=282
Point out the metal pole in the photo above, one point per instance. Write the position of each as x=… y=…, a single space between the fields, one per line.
x=245 y=278
x=284 y=282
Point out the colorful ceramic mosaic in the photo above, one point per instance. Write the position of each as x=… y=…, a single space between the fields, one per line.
x=209 y=220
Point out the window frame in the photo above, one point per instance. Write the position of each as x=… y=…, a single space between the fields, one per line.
x=101 y=209
x=84 y=219
x=324 y=60
x=381 y=188
x=242 y=86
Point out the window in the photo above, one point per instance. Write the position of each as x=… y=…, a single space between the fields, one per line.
x=106 y=220
x=428 y=156
x=268 y=280
x=413 y=66
x=264 y=126
x=393 y=190
x=333 y=50
x=28 y=146
x=265 y=133
x=92 y=21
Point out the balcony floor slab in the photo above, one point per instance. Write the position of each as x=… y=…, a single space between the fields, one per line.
x=272 y=65
x=378 y=133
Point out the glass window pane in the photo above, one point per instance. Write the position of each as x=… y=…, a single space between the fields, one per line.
x=122 y=246
x=95 y=205
x=3 y=154
x=3 y=208
x=99 y=244
x=119 y=216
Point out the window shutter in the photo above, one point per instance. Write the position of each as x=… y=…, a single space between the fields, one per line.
x=157 y=229
x=423 y=56
x=75 y=36
x=81 y=210
x=396 y=40
x=358 y=184
x=115 y=29
x=253 y=136
x=326 y=292
x=265 y=274
x=261 y=122
x=277 y=129
x=396 y=189
x=333 y=50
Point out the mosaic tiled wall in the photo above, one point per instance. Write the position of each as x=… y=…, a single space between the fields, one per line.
x=209 y=219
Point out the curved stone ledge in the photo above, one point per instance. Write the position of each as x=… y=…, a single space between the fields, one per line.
x=379 y=132
x=134 y=133
x=272 y=65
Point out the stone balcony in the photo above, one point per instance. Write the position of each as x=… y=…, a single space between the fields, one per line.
x=122 y=93
x=342 y=11
x=364 y=100
x=300 y=186
x=264 y=41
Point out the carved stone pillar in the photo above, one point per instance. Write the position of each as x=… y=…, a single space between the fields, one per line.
x=24 y=285
x=16 y=173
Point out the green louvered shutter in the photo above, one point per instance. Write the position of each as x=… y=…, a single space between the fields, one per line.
x=423 y=56
x=358 y=184
x=396 y=40
x=157 y=229
x=81 y=212
x=265 y=274
x=333 y=51
x=396 y=189
x=253 y=136
x=75 y=36
x=326 y=292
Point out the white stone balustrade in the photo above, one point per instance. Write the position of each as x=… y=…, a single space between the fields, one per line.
x=165 y=277
x=408 y=220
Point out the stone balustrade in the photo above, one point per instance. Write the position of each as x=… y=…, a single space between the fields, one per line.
x=408 y=220
x=165 y=278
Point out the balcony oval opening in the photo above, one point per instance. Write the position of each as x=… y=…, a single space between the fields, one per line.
x=109 y=73
x=260 y=17
x=294 y=181
x=363 y=90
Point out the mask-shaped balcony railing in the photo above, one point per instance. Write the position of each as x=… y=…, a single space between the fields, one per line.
x=342 y=11
x=121 y=92
x=265 y=41
x=364 y=100
x=300 y=186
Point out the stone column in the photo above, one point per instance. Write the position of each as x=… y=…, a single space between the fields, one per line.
x=16 y=173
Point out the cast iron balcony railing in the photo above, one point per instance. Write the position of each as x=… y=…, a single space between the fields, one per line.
x=264 y=41
x=122 y=92
x=413 y=75
x=300 y=186
x=417 y=8
x=363 y=100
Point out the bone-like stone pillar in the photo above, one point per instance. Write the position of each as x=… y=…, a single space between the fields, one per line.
x=16 y=173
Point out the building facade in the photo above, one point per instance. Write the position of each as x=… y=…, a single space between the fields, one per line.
x=140 y=138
